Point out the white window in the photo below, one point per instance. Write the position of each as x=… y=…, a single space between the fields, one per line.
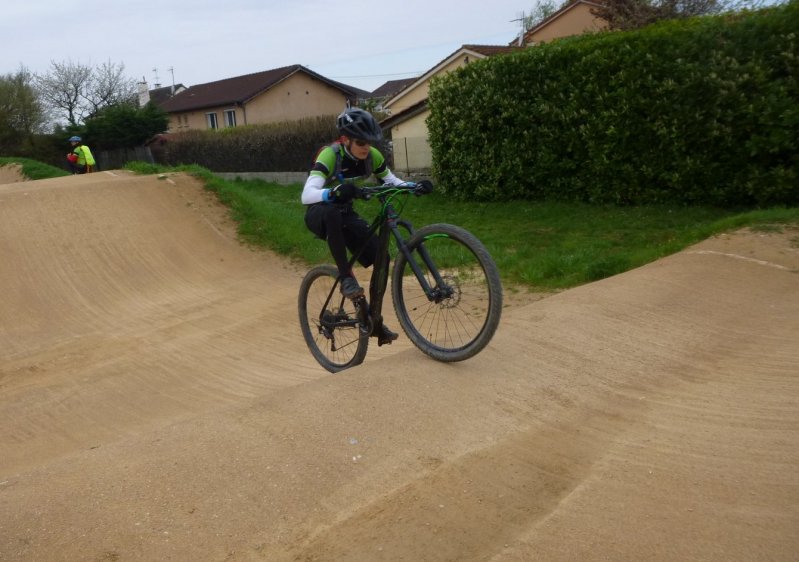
x=211 y=118
x=230 y=118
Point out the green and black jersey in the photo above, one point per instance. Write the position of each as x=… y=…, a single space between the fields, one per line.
x=335 y=165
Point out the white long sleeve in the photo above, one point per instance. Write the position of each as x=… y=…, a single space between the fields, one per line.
x=314 y=190
x=391 y=179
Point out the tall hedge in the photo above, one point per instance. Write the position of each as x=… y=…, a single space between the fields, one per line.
x=279 y=147
x=124 y=126
x=699 y=111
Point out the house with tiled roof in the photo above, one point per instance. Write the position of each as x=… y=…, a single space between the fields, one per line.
x=408 y=110
x=406 y=124
x=392 y=87
x=281 y=94
x=158 y=95
x=388 y=90
x=572 y=18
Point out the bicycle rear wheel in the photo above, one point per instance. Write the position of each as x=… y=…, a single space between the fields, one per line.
x=459 y=319
x=332 y=332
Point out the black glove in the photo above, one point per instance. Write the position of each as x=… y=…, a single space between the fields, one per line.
x=424 y=187
x=345 y=193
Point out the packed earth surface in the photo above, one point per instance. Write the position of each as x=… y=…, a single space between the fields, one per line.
x=158 y=402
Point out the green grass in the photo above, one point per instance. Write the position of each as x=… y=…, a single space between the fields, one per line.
x=33 y=169
x=544 y=246
x=540 y=245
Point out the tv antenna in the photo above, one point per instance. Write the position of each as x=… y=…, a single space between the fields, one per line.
x=171 y=69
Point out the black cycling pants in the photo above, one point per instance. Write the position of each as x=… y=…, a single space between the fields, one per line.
x=343 y=228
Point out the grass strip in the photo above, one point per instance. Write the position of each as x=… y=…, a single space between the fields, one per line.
x=541 y=245
x=33 y=169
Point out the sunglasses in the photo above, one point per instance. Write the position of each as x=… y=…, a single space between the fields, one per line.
x=360 y=142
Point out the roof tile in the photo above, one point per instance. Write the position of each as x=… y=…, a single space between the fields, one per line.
x=241 y=89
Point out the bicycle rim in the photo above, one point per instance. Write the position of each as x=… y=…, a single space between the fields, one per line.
x=463 y=318
x=330 y=332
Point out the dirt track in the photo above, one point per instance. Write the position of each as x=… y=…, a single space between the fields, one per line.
x=157 y=402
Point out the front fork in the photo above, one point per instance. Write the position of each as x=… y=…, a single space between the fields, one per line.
x=441 y=290
x=370 y=313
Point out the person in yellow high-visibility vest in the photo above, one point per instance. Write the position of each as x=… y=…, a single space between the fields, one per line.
x=80 y=159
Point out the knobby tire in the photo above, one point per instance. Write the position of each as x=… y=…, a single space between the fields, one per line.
x=332 y=335
x=466 y=315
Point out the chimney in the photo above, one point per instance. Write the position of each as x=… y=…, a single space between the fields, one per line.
x=144 y=92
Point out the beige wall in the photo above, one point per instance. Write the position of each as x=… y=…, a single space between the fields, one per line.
x=296 y=97
x=409 y=138
x=411 y=149
x=194 y=120
x=575 y=21
x=419 y=93
x=410 y=146
x=413 y=127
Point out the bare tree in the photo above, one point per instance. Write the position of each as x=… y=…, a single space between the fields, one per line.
x=64 y=89
x=109 y=86
x=77 y=91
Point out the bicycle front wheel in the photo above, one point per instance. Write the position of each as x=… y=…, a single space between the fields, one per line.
x=330 y=322
x=461 y=312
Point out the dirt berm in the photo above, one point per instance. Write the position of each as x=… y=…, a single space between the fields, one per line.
x=157 y=402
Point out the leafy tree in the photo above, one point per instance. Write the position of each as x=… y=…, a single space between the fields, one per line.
x=77 y=91
x=370 y=105
x=125 y=125
x=21 y=112
x=541 y=11
x=633 y=14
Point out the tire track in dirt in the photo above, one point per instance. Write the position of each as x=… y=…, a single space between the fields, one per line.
x=682 y=447
x=652 y=415
x=123 y=302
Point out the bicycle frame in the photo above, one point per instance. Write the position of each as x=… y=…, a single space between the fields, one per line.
x=387 y=224
x=445 y=289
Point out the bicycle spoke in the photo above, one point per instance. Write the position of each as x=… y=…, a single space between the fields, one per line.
x=460 y=315
x=330 y=327
x=448 y=324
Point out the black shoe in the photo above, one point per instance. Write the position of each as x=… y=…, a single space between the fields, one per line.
x=384 y=335
x=350 y=288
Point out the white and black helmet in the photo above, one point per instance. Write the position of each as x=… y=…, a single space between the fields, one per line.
x=357 y=123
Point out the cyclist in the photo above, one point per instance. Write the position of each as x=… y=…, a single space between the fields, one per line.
x=330 y=215
x=80 y=159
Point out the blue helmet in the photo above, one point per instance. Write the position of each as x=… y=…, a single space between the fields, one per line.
x=74 y=139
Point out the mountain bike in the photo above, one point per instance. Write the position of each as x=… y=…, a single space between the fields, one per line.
x=445 y=288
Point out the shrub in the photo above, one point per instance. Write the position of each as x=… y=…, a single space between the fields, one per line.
x=124 y=126
x=279 y=147
x=697 y=111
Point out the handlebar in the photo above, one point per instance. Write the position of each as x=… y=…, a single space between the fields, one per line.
x=368 y=192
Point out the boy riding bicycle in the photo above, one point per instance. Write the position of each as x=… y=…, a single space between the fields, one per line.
x=328 y=194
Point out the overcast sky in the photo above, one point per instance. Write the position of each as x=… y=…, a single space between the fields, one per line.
x=362 y=43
